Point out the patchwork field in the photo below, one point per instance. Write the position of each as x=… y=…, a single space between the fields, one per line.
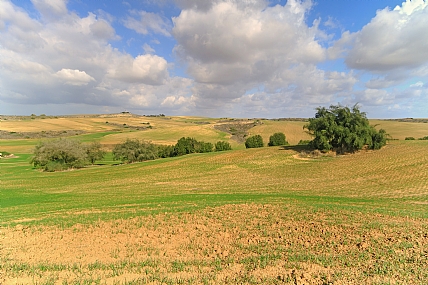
x=246 y=216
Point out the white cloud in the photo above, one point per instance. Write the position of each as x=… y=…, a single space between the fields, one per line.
x=74 y=77
x=148 y=22
x=148 y=69
x=392 y=40
x=148 y=49
x=418 y=84
x=69 y=60
x=234 y=46
x=51 y=9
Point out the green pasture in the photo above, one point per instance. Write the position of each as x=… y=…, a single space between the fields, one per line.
x=392 y=180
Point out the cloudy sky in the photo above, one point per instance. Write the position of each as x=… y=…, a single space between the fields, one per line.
x=218 y=58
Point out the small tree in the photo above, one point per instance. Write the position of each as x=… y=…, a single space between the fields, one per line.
x=94 y=152
x=343 y=130
x=222 y=146
x=254 y=141
x=277 y=139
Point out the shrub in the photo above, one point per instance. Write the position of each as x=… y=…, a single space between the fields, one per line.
x=409 y=139
x=165 y=151
x=59 y=154
x=254 y=141
x=190 y=145
x=423 y=138
x=222 y=146
x=133 y=150
x=277 y=139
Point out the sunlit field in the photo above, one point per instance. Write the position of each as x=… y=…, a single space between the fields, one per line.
x=246 y=216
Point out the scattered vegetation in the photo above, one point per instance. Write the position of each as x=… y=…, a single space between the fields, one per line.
x=225 y=218
x=343 y=130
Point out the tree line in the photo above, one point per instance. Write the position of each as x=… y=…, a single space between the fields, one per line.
x=337 y=128
x=63 y=154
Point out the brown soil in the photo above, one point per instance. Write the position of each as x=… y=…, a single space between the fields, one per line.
x=232 y=244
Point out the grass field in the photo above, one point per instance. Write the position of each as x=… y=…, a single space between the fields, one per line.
x=256 y=216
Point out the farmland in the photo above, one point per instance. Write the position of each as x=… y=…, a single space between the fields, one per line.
x=246 y=216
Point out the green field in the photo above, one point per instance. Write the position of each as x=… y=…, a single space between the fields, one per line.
x=246 y=216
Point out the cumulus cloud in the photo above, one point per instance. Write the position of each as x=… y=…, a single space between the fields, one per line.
x=74 y=77
x=392 y=40
x=242 y=58
x=149 y=69
x=69 y=60
x=234 y=46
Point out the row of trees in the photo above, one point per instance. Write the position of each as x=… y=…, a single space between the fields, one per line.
x=277 y=139
x=133 y=150
x=62 y=154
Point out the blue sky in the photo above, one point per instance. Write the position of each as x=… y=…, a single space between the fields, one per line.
x=218 y=58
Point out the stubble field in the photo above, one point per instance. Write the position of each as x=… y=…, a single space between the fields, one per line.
x=256 y=216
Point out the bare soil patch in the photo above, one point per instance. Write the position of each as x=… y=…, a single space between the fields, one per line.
x=237 y=129
x=232 y=244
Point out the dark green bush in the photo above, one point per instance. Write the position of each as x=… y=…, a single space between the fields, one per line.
x=254 y=141
x=409 y=139
x=190 y=145
x=277 y=139
x=222 y=146
x=165 y=151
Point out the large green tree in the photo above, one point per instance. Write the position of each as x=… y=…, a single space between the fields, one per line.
x=343 y=130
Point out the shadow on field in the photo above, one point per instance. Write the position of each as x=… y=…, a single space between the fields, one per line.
x=297 y=148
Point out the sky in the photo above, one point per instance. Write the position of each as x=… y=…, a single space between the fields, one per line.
x=214 y=58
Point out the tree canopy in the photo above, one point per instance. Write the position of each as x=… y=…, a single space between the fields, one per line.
x=254 y=141
x=343 y=130
x=277 y=139
x=62 y=154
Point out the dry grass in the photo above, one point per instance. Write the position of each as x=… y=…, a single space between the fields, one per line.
x=293 y=130
x=401 y=130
